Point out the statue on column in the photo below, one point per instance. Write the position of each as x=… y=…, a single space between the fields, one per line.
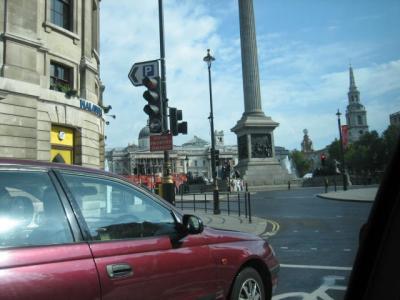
x=306 y=144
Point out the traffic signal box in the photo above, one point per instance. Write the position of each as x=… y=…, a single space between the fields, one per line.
x=323 y=159
x=217 y=161
x=153 y=108
x=176 y=127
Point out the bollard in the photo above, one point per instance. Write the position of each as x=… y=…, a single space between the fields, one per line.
x=326 y=185
x=247 y=187
x=205 y=202
x=229 y=208
x=288 y=185
x=334 y=183
x=182 y=200
x=194 y=202
x=239 y=203
x=245 y=204
x=248 y=199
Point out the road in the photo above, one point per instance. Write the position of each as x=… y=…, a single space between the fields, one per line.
x=316 y=242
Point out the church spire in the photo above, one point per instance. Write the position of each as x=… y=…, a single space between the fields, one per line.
x=353 y=86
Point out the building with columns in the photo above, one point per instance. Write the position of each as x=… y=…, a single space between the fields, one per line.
x=356 y=115
x=51 y=106
x=191 y=157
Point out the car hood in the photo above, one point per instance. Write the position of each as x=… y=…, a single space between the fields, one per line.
x=227 y=236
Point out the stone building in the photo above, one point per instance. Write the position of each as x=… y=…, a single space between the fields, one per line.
x=356 y=115
x=191 y=157
x=51 y=106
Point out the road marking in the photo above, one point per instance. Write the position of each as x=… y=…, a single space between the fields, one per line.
x=347 y=250
x=314 y=249
x=329 y=283
x=338 y=231
x=316 y=231
x=295 y=231
x=275 y=228
x=284 y=248
x=339 y=216
x=316 y=267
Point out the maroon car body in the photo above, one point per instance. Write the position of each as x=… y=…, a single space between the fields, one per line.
x=95 y=256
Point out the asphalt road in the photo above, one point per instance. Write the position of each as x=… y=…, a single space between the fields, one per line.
x=316 y=242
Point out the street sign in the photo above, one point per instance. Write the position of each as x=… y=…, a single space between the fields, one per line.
x=161 y=142
x=143 y=69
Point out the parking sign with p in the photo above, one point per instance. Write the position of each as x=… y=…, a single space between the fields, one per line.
x=143 y=69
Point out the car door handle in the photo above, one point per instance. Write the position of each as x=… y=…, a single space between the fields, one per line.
x=119 y=270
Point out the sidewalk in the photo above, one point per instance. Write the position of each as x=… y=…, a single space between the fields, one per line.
x=358 y=195
x=259 y=226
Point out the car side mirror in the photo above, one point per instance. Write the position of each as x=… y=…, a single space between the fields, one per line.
x=192 y=224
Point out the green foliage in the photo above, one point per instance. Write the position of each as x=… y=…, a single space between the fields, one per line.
x=334 y=150
x=370 y=154
x=391 y=137
x=302 y=165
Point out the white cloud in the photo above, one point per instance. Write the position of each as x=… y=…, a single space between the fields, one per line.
x=302 y=84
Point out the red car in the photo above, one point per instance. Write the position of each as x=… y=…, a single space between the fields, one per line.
x=68 y=232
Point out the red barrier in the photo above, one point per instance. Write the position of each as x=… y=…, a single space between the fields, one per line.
x=152 y=180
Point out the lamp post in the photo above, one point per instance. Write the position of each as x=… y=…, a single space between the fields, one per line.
x=342 y=152
x=209 y=59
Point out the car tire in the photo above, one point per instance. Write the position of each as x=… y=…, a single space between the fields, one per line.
x=248 y=285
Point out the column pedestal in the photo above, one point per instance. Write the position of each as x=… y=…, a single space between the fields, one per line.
x=256 y=148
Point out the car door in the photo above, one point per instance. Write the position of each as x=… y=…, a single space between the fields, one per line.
x=41 y=253
x=130 y=238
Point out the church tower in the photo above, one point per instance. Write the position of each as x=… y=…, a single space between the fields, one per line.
x=356 y=115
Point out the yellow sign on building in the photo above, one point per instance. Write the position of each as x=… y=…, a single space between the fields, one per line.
x=62 y=144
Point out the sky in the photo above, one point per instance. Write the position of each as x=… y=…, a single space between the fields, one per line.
x=304 y=51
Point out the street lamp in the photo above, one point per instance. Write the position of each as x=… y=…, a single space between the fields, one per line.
x=209 y=59
x=342 y=152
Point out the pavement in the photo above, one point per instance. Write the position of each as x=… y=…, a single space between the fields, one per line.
x=358 y=195
x=267 y=228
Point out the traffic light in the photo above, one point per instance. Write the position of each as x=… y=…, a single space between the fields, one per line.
x=217 y=162
x=154 y=107
x=175 y=115
x=323 y=159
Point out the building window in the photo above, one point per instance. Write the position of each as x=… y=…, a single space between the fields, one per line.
x=195 y=163
x=359 y=120
x=60 y=77
x=61 y=13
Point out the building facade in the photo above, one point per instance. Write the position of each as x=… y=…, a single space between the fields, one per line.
x=192 y=157
x=51 y=106
x=356 y=115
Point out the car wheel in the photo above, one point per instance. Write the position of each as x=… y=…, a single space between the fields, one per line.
x=248 y=285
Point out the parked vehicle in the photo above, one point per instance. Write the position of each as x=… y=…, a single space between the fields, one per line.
x=68 y=232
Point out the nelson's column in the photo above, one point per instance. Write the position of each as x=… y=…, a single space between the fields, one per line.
x=257 y=162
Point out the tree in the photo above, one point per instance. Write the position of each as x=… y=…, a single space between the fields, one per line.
x=334 y=150
x=302 y=165
x=391 y=137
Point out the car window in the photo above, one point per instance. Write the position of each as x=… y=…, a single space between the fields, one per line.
x=30 y=211
x=114 y=211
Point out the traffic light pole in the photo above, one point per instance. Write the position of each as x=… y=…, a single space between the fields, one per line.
x=168 y=187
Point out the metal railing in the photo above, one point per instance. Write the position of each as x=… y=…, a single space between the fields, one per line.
x=230 y=203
